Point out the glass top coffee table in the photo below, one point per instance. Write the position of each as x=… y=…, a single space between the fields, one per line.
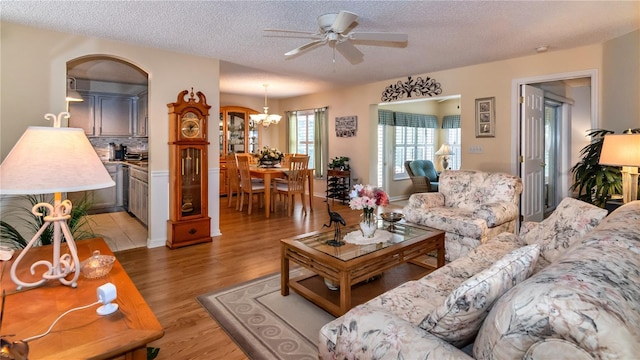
x=351 y=264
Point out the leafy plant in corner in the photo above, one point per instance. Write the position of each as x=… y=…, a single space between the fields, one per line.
x=595 y=183
x=79 y=223
x=339 y=163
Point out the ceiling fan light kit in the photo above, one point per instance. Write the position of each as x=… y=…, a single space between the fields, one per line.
x=334 y=30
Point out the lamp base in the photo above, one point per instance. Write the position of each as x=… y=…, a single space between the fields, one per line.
x=61 y=266
x=445 y=163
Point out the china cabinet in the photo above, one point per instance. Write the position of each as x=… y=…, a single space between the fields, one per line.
x=189 y=222
x=238 y=134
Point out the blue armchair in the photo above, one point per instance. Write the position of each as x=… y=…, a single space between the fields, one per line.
x=423 y=175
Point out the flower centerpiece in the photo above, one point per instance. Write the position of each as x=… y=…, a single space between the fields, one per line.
x=269 y=157
x=367 y=198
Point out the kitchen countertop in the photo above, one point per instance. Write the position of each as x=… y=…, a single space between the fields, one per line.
x=143 y=165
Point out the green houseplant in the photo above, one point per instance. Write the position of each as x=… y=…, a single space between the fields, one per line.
x=79 y=223
x=593 y=182
x=339 y=163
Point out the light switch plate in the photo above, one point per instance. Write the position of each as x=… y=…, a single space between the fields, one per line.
x=477 y=149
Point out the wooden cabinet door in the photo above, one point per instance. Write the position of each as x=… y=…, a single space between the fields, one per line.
x=83 y=114
x=143 y=115
x=115 y=114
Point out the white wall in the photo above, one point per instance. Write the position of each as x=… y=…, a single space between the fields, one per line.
x=33 y=68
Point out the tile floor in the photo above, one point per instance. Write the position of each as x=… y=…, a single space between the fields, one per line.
x=120 y=230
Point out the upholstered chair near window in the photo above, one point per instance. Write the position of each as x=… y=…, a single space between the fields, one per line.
x=423 y=175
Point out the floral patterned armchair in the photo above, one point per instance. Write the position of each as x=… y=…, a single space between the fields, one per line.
x=470 y=206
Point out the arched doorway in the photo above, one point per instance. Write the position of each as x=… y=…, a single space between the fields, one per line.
x=113 y=114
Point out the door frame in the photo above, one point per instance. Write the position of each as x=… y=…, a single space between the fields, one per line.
x=516 y=122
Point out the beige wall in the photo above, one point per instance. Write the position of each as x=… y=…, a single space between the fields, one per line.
x=485 y=80
x=621 y=85
x=33 y=68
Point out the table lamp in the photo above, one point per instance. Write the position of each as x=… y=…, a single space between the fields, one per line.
x=445 y=151
x=49 y=160
x=623 y=150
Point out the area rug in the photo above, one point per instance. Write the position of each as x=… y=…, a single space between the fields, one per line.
x=265 y=324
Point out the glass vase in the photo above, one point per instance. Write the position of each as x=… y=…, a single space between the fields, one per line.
x=368 y=222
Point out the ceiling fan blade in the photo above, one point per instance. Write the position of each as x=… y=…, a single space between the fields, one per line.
x=343 y=21
x=379 y=36
x=350 y=52
x=304 y=47
x=292 y=31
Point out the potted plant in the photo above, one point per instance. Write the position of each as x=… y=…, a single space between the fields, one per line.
x=595 y=183
x=339 y=163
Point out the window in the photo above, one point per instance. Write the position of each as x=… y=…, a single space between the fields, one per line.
x=305 y=129
x=453 y=137
x=411 y=143
x=307 y=135
x=413 y=137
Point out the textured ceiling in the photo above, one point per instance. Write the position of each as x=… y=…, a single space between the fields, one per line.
x=442 y=34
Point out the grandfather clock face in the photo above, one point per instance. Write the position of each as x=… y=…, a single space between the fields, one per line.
x=191 y=126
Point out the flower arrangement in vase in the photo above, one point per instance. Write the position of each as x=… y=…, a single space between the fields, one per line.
x=367 y=198
x=269 y=157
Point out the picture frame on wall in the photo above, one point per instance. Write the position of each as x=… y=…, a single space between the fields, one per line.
x=485 y=117
x=346 y=126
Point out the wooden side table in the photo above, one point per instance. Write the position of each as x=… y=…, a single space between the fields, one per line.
x=81 y=334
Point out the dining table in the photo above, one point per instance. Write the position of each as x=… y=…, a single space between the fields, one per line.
x=269 y=173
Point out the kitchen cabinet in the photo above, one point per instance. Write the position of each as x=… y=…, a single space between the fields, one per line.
x=238 y=134
x=103 y=199
x=104 y=114
x=139 y=193
x=142 y=118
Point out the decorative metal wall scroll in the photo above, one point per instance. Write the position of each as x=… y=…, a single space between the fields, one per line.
x=346 y=126
x=419 y=87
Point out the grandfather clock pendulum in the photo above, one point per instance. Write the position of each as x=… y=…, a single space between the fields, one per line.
x=189 y=222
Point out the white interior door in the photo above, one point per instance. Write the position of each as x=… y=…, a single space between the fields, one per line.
x=532 y=151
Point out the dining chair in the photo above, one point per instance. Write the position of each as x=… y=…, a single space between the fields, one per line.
x=294 y=183
x=233 y=179
x=247 y=186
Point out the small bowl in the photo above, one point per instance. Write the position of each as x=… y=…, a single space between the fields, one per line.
x=97 y=266
x=392 y=217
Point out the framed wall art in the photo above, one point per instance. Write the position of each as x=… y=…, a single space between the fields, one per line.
x=485 y=117
x=346 y=126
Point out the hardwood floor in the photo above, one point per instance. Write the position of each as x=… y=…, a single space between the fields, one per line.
x=249 y=248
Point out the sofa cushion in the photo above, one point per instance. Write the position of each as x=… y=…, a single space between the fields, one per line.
x=570 y=220
x=458 y=319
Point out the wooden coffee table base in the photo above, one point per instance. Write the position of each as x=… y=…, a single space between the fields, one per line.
x=349 y=273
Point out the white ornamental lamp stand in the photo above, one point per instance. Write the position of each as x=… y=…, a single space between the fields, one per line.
x=445 y=151
x=623 y=150
x=49 y=160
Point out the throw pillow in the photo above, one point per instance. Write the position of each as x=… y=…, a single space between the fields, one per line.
x=458 y=320
x=571 y=219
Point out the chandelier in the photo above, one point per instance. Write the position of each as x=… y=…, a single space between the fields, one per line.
x=265 y=118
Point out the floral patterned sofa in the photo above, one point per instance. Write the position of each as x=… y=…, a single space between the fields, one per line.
x=470 y=206
x=582 y=300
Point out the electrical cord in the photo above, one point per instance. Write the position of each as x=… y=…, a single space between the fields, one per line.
x=60 y=317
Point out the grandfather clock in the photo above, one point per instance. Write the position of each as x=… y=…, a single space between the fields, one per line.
x=189 y=222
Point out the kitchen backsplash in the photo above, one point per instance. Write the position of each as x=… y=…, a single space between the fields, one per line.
x=101 y=145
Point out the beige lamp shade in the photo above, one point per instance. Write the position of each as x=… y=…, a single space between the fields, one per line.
x=51 y=160
x=445 y=149
x=621 y=150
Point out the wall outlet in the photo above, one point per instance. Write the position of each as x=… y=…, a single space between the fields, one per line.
x=477 y=149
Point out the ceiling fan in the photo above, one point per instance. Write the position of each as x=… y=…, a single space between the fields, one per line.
x=335 y=30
